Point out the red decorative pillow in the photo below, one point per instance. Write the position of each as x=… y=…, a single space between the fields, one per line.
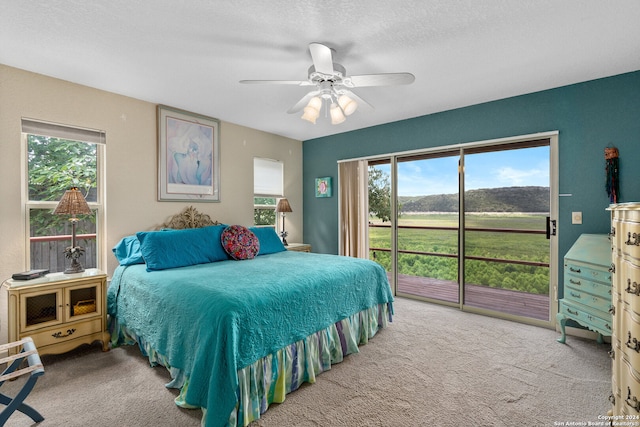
x=240 y=242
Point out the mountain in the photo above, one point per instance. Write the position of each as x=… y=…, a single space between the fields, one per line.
x=504 y=199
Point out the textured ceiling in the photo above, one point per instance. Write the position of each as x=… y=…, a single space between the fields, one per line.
x=191 y=54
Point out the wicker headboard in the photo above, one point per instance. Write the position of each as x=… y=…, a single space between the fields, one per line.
x=188 y=218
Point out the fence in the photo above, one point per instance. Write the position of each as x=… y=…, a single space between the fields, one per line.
x=48 y=251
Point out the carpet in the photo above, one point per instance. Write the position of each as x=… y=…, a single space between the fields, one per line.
x=433 y=366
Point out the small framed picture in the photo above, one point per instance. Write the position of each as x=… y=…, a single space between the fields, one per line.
x=323 y=187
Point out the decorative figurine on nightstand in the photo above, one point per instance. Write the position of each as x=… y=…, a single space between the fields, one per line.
x=283 y=207
x=73 y=203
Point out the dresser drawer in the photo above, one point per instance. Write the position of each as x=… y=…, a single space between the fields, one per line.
x=628 y=277
x=595 y=320
x=629 y=388
x=629 y=239
x=583 y=283
x=597 y=302
x=629 y=336
x=66 y=332
x=588 y=293
x=581 y=271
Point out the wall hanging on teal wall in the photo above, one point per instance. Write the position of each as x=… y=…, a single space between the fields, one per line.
x=323 y=187
x=613 y=183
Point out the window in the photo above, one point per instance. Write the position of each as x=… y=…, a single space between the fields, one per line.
x=58 y=158
x=267 y=188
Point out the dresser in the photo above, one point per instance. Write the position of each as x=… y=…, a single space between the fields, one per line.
x=587 y=286
x=625 y=341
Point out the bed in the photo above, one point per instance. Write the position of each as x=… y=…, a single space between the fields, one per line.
x=237 y=319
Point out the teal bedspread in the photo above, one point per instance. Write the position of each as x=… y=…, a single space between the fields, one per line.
x=210 y=320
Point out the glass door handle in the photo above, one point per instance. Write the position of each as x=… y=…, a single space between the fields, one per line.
x=551 y=227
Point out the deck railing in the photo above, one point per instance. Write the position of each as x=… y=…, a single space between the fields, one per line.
x=477 y=258
x=525 y=304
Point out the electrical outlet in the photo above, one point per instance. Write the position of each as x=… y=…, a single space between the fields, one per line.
x=576 y=217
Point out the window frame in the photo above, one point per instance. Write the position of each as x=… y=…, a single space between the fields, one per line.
x=277 y=193
x=98 y=206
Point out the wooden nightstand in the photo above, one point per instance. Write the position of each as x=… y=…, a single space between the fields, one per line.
x=59 y=311
x=299 y=247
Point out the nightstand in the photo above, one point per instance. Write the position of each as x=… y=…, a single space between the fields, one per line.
x=59 y=311
x=299 y=247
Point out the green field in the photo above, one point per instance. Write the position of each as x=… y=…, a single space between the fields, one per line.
x=493 y=244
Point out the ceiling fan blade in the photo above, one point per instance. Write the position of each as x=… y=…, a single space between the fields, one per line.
x=279 y=82
x=303 y=102
x=322 y=58
x=361 y=102
x=388 y=79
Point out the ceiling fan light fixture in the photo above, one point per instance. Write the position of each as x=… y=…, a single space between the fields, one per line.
x=337 y=116
x=312 y=110
x=347 y=104
x=310 y=115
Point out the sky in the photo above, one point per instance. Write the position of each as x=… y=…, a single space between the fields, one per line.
x=523 y=167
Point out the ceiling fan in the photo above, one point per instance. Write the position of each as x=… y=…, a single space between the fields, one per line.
x=334 y=86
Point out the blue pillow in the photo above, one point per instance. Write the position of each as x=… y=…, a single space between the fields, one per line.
x=180 y=248
x=127 y=251
x=269 y=240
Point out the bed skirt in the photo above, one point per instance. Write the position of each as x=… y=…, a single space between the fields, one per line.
x=271 y=378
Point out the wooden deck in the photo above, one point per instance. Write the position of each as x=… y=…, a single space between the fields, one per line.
x=501 y=300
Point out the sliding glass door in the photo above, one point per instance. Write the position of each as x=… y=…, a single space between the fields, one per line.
x=506 y=249
x=428 y=217
x=494 y=257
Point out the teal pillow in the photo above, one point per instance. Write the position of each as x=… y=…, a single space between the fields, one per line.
x=127 y=251
x=269 y=240
x=180 y=248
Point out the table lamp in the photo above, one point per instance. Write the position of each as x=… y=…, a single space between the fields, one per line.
x=73 y=203
x=283 y=207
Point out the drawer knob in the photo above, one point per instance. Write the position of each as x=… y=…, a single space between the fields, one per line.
x=612 y=310
x=575 y=313
x=575 y=270
x=612 y=354
x=612 y=399
x=633 y=344
x=612 y=269
x=632 y=288
x=612 y=233
x=632 y=401
x=71 y=331
x=575 y=282
x=635 y=237
x=573 y=294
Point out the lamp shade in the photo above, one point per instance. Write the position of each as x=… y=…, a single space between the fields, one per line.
x=337 y=116
x=72 y=203
x=312 y=110
x=283 y=206
x=347 y=104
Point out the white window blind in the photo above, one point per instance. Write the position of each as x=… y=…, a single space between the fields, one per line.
x=35 y=127
x=268 y=177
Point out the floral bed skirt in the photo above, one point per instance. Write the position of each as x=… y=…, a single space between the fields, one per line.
x=271 y=378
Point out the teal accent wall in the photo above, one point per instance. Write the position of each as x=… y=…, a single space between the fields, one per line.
x=589 y=116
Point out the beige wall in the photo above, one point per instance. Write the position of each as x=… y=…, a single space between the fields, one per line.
x=131 y=171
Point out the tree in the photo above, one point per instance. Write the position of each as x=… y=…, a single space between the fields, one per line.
x=263 y=215
x=379 y=194
x=55 y=165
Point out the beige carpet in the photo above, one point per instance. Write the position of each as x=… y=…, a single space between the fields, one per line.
x=434 y=366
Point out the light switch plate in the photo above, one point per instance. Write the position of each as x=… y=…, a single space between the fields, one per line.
x=576 y=217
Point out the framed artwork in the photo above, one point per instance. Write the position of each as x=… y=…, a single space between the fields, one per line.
x=188 y=156
x=323 y=187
